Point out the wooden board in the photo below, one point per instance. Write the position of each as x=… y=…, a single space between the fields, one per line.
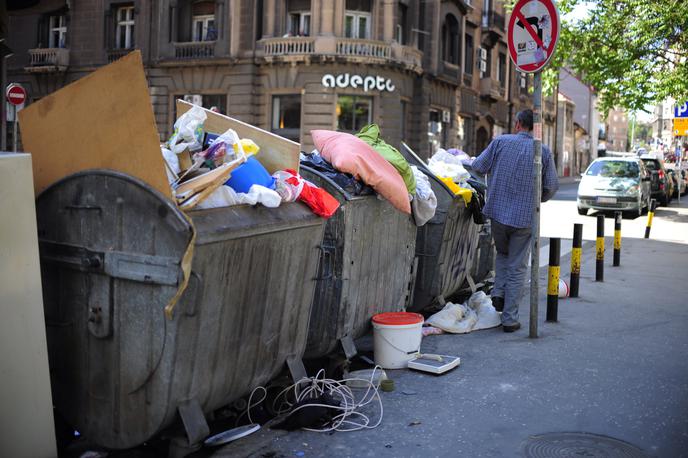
x=276 y=153
x=104 y=120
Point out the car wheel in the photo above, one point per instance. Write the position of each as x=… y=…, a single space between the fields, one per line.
x=583 y=211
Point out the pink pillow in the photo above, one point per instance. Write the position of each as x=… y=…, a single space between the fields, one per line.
x=350 y=154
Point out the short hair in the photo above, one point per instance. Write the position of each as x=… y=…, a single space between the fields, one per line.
x=525 y=118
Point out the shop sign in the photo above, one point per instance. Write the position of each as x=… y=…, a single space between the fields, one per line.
x=368 y=83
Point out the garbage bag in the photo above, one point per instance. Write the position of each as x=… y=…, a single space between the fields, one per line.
x=320 y=201
x=454 y=318
x=424 y=203
x=225 y=148
x=344 y=180
x=188 y=131
x=444 y=164
x=224 y=196
x=172 y=161
x=488 y=317
x=288 y=190
x=371 y=135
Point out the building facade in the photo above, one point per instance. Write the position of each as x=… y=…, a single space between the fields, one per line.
x=617 y=130
x=430 y=72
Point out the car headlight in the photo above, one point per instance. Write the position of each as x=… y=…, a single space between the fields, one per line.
x=633 y=190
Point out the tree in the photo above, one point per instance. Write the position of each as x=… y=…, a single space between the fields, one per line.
x=634 y=52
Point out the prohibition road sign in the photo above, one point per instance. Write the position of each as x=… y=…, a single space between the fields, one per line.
x=16 y=95
x=532 y=34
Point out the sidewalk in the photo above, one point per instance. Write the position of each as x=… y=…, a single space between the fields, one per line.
x=614 y=365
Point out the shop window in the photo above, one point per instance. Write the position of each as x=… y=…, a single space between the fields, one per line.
x=57 y=32
x=402 y=18
x=124 y=32
x=468 y=64
x=450 y=40
x=214 y=102
x=357 y=19
x=286 y=116
x=501 y=69
x=353 y=112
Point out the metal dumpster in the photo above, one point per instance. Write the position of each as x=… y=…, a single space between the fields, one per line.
x=366 y=267
x=111 y=248
x=446 y=246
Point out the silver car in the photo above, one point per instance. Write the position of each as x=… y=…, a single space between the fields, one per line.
x=615 y=183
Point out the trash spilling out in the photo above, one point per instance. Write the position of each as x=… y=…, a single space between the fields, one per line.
x=478 y=313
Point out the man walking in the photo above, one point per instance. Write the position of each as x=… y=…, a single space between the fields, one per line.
x=508 y=161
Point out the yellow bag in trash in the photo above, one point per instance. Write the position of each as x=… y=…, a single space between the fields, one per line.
x=466 y=194
x=248 y=145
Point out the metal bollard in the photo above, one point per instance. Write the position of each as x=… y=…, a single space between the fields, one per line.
x=599 y=271
x=576 y=258
x=617 y=239
x=553 y=283
x=650 y=215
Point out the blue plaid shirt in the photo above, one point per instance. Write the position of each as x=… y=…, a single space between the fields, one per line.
x=508 y=161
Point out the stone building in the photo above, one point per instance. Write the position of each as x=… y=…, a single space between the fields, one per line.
x=429 y=72
x=617 y=130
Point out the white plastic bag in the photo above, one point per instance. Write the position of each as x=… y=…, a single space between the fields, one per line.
x=454 y=318
x=444 y=164
x=424 y=203
x=172 y=161
x=188 y=131
x=224 y=196
x=289 y=192
x=488 y=317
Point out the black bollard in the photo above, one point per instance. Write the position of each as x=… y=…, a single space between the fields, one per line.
x=553 y=283
x=599 y=271
x=650 y=215
x=617 y=239
x=576 y=258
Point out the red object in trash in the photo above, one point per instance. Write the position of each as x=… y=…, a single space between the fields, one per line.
x=320 y=201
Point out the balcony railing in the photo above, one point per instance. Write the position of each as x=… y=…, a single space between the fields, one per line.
x=288 y=46
x=114 y=54
x=194 y=50
x=363 y=48
x=412 y=57
x=48 y=59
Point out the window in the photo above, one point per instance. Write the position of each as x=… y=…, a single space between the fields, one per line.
x=501 y=70
x=402 y=19
x=203 y=22
x=124 y=38
x=357 y=19
x=286 y=116
x=353 y=112
x=487 y=7
x=214 y=102
x=468 y=65
x=299 y=24
x=58 y=32
x=450 y=40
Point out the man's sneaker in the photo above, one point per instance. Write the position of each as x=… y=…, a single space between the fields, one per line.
x=511 y=327
x=498 y=303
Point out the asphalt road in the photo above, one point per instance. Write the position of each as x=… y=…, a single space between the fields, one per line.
x=614 y=366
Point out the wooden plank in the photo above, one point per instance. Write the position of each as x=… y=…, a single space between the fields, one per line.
x=276 y=153
x=104 y=120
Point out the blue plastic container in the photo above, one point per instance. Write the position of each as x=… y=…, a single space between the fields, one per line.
x=249 y=173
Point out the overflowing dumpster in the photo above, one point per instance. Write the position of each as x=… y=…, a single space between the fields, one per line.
x=154 y=313
x=446 y=246
x=366 y=266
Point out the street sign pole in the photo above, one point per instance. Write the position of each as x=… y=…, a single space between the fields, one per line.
x=537 y=196
x=14 y=130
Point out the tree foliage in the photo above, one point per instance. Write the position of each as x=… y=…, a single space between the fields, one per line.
x=634 y=52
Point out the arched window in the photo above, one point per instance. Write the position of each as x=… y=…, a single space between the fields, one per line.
x=451 y=46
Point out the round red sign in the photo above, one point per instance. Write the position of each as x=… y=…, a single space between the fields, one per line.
x=16 y=95
x=532 y=34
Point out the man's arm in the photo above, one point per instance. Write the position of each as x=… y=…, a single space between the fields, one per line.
x=550 y=182
x=483 y=163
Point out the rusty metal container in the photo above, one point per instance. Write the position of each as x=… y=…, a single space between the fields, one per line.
x=366 y=266
x=111 y=248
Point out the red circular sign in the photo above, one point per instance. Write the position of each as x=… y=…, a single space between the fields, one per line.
x=532 y=34
x=16 y=95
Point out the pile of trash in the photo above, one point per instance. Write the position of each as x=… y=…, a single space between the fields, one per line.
x=364 y=164
x=209 y=170
x=478 y=313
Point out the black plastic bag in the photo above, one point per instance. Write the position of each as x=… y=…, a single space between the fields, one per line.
x=347 y=182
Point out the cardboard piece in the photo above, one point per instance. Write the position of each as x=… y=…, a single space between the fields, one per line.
x=276 y=153
x=104 y=120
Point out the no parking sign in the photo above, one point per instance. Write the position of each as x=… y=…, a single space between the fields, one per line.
x=532 y=34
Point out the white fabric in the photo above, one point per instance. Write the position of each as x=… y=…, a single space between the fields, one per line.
x=424 y=203
x=477 y=314
x=488 y=317
x=224 y=196
x=444 y=164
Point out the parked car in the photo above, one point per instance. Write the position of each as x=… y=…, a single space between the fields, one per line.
x=615 y=183
x=660 y=184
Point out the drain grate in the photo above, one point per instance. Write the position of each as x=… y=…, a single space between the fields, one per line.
x=579 y=445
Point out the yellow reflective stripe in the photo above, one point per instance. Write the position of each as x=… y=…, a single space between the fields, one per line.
x=617 y=239
x=600 y=247
x=576 y=260
x=650 y=215
x=553 y=285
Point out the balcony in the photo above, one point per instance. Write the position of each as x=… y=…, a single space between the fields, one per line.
x=493 y=26
x=410 y=57
x=114 y=54
x=288 y=46
x=48 y=60
x=351 y=47
x=194 y=50
x=492 y=89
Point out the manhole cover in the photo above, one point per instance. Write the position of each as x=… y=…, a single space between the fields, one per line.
x=577 y=445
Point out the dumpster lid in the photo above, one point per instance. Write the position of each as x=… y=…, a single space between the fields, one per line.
x=398 y=318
